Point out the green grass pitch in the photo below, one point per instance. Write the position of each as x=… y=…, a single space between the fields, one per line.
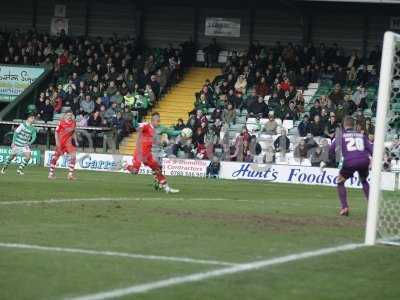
x=228 y=221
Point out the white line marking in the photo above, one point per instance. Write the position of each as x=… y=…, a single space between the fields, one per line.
x=52 y=201
x=117 y=254
x=196 y=277
x=55 y=201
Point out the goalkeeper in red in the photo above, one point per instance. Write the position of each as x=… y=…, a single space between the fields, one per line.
x=64 y=134
x=143 y=154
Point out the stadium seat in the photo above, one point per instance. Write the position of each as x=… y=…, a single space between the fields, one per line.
x=288 y=124
x=313 y=86
x=259 y=159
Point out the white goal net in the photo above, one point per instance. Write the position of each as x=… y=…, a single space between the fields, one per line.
x=383 y=221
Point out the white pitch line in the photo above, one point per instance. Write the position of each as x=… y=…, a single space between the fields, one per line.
x=52 y=201
x=116 y=254
x=55 y=201
x=196 y=277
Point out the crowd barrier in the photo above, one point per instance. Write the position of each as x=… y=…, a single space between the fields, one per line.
x=229 y=170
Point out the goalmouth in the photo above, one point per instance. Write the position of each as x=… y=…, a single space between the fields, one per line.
x=383 y=219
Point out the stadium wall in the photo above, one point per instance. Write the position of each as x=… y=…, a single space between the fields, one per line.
x=229 y=170
x=357 y=28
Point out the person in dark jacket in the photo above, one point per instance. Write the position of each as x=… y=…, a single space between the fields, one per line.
x=95 y=120
x=304 y=126
x=317 y=127
x=258 y=108
x=47 y=111
x=282 y=142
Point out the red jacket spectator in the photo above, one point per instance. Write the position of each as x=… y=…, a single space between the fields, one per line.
x=262 y=88
x=285 y=85
x=58 y=104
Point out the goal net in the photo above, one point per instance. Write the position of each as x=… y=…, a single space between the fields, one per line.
x=383 y=220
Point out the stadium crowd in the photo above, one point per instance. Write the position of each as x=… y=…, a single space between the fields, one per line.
x=260 y=99
x=256 y=111
x=106 y=82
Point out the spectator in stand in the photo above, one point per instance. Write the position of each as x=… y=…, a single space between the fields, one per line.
x=331 y=126
x=202 y=104
x=241 y=85
x=337 y=95
x=46 y=111
x=239 y=149
x=315 y=110
x=95 y=120
x=98 y=103
x=369 y=128
x=118 y=123
x=310 y=141
x=290 y=94
x=340 y=76
x=216 y=114
x=111 y=113
x=233 y=99
x=57 y=102
x=317 y=156
x=324 y=117
x=282 y=142
x=68 y=97
x=271 y=126
x=258 y=108
x=280 y=109
x=291 y=112
x=82 y=120
x=262 y=88
x=229 y=115
x=330 y=106
x=351 y=76
x=304 y=127
x=317 y=128
x=301 y=151
x=269 y=155
x=179 y=125
x=87 y=105
x=360 y=98
x=348 y=106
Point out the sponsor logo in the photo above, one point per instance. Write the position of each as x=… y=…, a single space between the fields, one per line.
x=251 y=172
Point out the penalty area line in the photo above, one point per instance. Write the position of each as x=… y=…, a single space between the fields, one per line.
x=116 y=254
x=197 y=277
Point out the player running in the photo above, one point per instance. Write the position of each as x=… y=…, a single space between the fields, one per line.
x=147 y=134
x=356 y=151
x=64 y=134
x=23 y=138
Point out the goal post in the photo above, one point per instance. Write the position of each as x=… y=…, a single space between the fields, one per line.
x=383 y=218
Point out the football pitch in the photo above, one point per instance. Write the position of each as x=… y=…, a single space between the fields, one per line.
x=109 y=235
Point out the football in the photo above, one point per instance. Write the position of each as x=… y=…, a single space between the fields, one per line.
x=186 y=133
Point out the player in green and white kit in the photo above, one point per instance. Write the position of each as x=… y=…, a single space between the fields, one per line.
x=23 y=138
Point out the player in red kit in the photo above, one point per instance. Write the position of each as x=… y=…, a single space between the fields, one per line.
x=64 y=134
x=147 y=133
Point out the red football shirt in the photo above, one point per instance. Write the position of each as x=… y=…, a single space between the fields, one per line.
x=65 y=131
x=147 y=137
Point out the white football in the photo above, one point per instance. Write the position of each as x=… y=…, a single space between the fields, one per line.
x=186 y=133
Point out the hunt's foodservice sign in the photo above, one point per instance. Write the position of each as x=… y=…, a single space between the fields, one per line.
x=15 y=79
x=294 y=174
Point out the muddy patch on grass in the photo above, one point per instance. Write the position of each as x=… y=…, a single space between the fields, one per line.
x=272 y=221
